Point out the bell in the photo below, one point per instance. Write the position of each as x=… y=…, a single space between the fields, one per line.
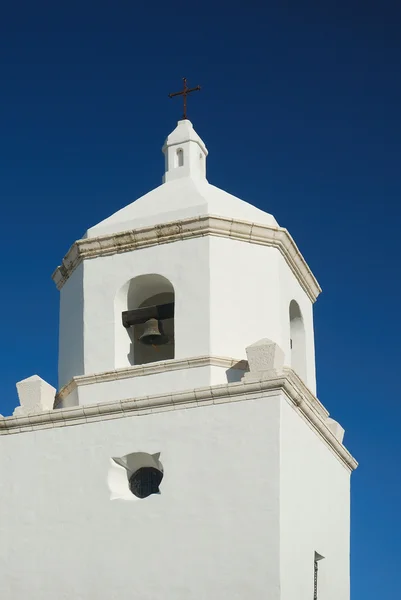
x=153 y=334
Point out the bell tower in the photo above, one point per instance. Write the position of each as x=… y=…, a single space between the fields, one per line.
x=168 y=292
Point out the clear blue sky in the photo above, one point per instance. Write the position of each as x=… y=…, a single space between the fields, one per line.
x=300 y=109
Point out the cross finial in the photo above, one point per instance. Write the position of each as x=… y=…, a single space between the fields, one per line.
x=185 y=93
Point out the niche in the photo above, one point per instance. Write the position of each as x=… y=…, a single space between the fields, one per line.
x=297 y=341
x=179 y=158
x=202 y=163
x=147 y=291
x=135 y=476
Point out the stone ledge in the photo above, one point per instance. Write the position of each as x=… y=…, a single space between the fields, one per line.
x=127 y=241
x=162 y=366
x=285 y=381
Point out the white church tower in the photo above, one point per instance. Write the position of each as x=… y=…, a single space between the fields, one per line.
x=185 y=455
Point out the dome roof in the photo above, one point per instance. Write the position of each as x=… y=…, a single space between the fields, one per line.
x=185 y=192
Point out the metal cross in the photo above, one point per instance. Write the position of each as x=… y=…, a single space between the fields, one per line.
x=185 y=93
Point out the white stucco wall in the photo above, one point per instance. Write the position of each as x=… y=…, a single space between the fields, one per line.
x=228 y=294
x=251 y=288
x=177 y=200
x=185 y=265
x=314 y=513
x=244 y=295
x=291 y=290
x=250 y=493
x=212 y=533
x=157 y=383
x=71 y=327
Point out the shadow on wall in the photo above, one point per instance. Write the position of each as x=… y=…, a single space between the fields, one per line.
x=237 y=371
x=139 y=292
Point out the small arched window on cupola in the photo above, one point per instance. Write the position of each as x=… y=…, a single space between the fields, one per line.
x=297 y=340
x=148 y=321
x=179 y=157
x=202 y=163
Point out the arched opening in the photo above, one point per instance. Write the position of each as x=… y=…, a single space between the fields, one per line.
x=202 y=163
x=140 y=292
x=179 y=158
x=297 y=340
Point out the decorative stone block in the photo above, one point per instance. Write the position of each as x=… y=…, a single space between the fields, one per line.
x=264 y=358
x=335 y=429
x=35 y=395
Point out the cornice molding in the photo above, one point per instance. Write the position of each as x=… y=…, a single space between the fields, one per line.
x=162 y=366
x=136 y=239
x=285 y=381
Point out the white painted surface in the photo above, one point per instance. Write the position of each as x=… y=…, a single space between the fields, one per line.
x=228 y=294
x=212 y=533
x=71 y=328
x=249 y=493
x=314 y=513
x=105 y=282
x=185 y=193
x=35 y=395
x=180 y=199
x=184 y=264
x=185 y=153
x=149 y=385
x=291 y=290
x=297 y=340
x=251 y=288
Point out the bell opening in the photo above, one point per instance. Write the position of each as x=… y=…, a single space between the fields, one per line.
x=145 y=291
x=140 y=292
